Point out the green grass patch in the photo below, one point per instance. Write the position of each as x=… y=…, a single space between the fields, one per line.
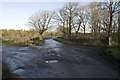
x=114 y=51
x=7 y=43
x=12 y=43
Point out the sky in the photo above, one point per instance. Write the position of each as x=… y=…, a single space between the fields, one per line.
x=14 y=14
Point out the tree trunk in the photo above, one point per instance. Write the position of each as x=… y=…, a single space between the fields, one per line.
x=69 y=30
x=64 y=32
x=84 y=28
x=110 y=25
x=110 y=40
x=119 y=29
x=76 y=34
x=95 y=30
x=92 y=31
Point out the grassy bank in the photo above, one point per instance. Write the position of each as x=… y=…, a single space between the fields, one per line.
x=114 y=51
x=65 y=42
x=6 y=73
x=12 y=43
x=20 y=38
x=74 y=42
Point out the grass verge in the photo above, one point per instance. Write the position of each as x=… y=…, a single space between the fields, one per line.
x=6 y=73
x=74 y=43
x=12 y=43
x=114 y=51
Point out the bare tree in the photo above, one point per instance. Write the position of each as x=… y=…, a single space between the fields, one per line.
x=94 y=19
x=119 y=27
x=78 y=20
x=65 y=17
x=84 y=16
x=61 y=19
x=112 y=8
x=69 y=10
x=104 y=20
x=40 y=21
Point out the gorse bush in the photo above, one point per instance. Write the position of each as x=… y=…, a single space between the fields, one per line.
x=20 y=37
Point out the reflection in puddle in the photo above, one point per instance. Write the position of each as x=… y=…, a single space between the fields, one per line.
x=50 y=43
x=20 y=57
x=11 y=63
x=18 y=71
x=23 y=48
x=38 y=47
x=51 y=61
x=20 y=52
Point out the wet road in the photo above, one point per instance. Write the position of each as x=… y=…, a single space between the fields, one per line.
x=57 y=60
x=0 y=61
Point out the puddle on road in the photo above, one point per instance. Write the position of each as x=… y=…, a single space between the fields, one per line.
x=11 y=63
x=17 y=71
x=39 y=47
x=51 y=43
x=20 y=52
x=23 y=48
x=51 y=61
x=20 y=57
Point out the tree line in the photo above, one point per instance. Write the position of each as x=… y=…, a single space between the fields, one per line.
x=101 y=18
x=27 y=37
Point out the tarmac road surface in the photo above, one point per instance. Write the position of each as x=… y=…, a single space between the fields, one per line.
x=57 y=60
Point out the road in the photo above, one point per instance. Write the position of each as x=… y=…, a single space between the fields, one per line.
x=57 y=60
x=0 y=61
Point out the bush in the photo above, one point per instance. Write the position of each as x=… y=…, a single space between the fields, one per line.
x=20 y=38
